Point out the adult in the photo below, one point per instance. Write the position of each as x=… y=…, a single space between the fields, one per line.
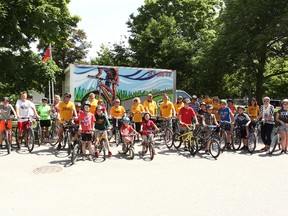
x=230 y=103
x=150 y=106
x=202 y=111
x=23 y=107
x=101 y=103
x=216 y=106
x=267 y=122
x=179 y=104
x=93 y=102
x=56 y=103
x=194 y=104
x=253 y=112
x=207 y=99
x=66 y=110
x=137 y=110
x=282 y=118
x=5 y=112
x=116 y=114
x=167 y=110
x=44 y=111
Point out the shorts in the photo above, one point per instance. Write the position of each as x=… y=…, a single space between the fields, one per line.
x=22 y=125
x=3 y=125
x=138 y=126
x=145 y=137
x=243 y=132
x=127 y=138
x=86 y=137
x=283 y=128
x=183 y=129
x=97 y=133
x=227 y=126
x=45 y=123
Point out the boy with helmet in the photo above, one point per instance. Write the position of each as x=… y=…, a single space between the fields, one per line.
x=101 y=124
x=242 y=120
x=86 y=128
x=126 y=130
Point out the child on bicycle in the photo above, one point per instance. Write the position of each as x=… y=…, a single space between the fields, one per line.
x=126 y=131
x=146 y=129
x=242 y=120
x=86 y=128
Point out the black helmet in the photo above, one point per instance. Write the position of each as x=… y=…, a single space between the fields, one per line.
x=29 y=95
x=99 y=108
x=146 y=113
x=209 y=106
x=44 y=99
x=5 y=99
x=87 y=103
x=77 y=104
x=67 y=94
x=202 y=103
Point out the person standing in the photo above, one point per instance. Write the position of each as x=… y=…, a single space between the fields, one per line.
x=195 y=104
x=282 y=118
x=137 y=110
x=216 y=106
x=167 y=110
x=178 y=105
x=267 y=116
x=93 y=101
x=45 y=121
x=253 y=112
x=207 y=99
x=150 y=106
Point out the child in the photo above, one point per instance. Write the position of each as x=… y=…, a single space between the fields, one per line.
x=146 y=128
x=86 y=126
x=126 y=131
x=242 y=120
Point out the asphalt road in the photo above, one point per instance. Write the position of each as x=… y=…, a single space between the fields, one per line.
x=174 y=183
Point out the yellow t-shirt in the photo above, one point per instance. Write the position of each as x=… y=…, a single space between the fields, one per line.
x=253 y=111
x=117 y=111
x=65 y=111
x=94 y=104
x=207 y=100
x=178 y=106
x=137 y=116
x=216 y=107
x=151 y=107
x=166 y=109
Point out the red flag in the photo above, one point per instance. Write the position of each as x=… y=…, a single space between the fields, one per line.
x=47 y=55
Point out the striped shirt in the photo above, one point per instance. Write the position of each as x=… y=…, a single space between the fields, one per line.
x=269 y=111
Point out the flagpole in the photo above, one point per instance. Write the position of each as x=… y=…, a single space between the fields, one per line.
x=49 y=93
x=52 y=83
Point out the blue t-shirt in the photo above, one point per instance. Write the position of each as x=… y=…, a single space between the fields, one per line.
x=225 y=114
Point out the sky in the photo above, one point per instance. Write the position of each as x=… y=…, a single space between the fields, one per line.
x=103 y=21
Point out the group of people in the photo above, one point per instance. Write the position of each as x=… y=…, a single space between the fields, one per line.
x=95 y=117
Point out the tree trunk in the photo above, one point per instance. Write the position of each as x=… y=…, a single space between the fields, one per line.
x=260 y=77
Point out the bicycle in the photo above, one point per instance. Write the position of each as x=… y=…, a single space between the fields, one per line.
x=8 y=134
x=165 y=130
x=276 y=141
x=129 y=147
x=149 y=144
x=223 y=136
x=68 y=132
x=116 y=131
x=27 y=135
x=38 y=132
x=101 y=147
x=213 y=138
x=53 y=132
x=188 y=138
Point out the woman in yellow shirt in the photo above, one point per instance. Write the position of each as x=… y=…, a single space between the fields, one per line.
x=137 y=110
x=216 y=106
x=253 y=112
x=178 y=105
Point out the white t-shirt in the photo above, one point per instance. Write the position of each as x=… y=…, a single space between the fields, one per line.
x=24 y=109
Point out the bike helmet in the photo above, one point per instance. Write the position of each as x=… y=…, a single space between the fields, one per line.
x=229 y=100
x=77 y=104
x=67 y=94
x=285 y=101
x=99 y=108
x=44 y=99
x=223 y=101
x=241 y=107
x=209 y=106
x=5 y=99
x=146 y=113
x=126 y=119
x=87 y=103
x=194 y=97
x=202 y=103
x=29 y=96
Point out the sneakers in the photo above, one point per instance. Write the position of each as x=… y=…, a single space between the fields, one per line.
x=207 y=152
x=84 y=157
x=109 y=154
x=244 y=148
x=90 y=158
x=96 y=154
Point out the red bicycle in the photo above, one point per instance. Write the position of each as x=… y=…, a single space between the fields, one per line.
x=7 y=135
x=27 y=135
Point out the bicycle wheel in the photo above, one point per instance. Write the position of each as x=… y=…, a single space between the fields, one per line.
x=131 y=153
x=38 y=134
x=69 y=143
x=18 y=138
x=168 y=138
x=214 y=148
x=75 y=151
x=223 y=140
x=177 y=140
x=151 y=151
x=8 y=140
x=117 y=137
x=236 y=141
x=102 y=148
x=53 y=135
x=124 y=148
x=192 y=146
x=275 y=142
x=251 y=142
x=30 y=139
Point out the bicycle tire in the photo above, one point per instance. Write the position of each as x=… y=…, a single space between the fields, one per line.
x=151 y=151
x=30 y=139
x=214 y=149
x=75 y=152
x=117 y=137
x=131 y=153
x=8 y=140
x=103 y=148
x=168 y=137
x=38 y=134
x=53 y=135
x=251 y=143
x=124 y=148
x=236 y=141
x=69 y=143
x=274 y=143
x=177 y=140
x=17 y=135
x=192 y=146
x=223 y=140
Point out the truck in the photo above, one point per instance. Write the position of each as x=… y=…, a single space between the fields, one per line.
x=124 y=83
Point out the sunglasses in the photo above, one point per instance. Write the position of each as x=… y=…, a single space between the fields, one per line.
x=117 y=102
x=135 y=100
x=266 y=100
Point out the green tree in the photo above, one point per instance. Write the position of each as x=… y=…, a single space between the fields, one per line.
x=250 y=35
x=24 y=22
